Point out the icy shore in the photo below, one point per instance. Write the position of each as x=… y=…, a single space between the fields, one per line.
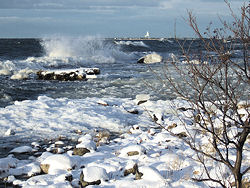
x=108 y=142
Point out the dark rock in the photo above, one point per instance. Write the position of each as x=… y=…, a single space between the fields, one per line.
x=85 y=183
x=140 y=102
x=182 y=135
x=132 y=153
x=133 y=111
x=63 y=76
x=141 y=60
x=69 y=178
x=134 y=171
x=80 y=151
x=172 y=126
x=92 y=71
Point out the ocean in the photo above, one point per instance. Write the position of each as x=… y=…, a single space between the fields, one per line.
x=121 y=76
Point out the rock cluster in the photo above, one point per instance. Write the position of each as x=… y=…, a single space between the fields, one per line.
x=71 y=76
x=67 y=75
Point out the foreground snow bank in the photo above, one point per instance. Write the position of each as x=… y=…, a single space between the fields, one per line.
x=86 y=151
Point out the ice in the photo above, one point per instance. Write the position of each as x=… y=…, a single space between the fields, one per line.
x=28 y=169
x=21 y=149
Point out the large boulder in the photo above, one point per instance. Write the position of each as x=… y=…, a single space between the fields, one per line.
x=150 y=58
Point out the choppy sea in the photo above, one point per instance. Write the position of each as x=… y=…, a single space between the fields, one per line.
x=121 y=76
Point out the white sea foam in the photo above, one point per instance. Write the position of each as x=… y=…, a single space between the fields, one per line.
x=89 y=49
x=134 y=43
x=62 y=51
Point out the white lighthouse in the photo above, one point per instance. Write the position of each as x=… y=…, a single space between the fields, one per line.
x=147 y=35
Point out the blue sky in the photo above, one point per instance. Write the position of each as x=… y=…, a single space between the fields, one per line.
x=107 y=18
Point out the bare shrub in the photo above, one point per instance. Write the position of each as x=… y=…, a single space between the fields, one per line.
x=215 y=83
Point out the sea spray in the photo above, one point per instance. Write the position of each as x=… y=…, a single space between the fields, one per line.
x=85 y=49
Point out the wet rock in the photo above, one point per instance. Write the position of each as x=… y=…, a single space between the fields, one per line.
x=92 y=71
x=61 y=76
x=80 y=151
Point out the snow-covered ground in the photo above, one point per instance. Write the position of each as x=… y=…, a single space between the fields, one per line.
x=117 y=143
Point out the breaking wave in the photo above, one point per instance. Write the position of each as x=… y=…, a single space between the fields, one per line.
x=87 y=49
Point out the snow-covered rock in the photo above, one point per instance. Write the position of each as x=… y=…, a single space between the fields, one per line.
x=132 y=150
x=88 y=144
x=57 y=162
x=94 y=173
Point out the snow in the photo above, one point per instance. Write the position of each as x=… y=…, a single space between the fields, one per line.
x=94 y=173
x=163 y=159
x=58 y=162
x=140 y=149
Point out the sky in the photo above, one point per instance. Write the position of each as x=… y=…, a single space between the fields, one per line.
x=108 y=18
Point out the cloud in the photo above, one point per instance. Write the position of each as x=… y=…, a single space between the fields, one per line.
x=208 y=7
x=9 y=19
x=73 y=4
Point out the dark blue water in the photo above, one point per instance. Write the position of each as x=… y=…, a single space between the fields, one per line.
x=121 y=75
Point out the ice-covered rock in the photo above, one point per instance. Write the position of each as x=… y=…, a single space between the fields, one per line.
x=150 y=58
x=22 y=149
x=28 y=169
x=22 y=74
x=7 y=163
x=9 y=132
